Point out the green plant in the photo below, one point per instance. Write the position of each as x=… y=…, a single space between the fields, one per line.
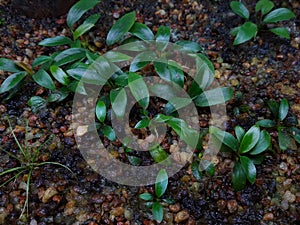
x=264 y=19
x=29 y=161
x=284 y=124
x=247 y=147
x=153 y=201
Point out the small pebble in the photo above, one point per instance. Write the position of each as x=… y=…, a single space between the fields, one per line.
x=49 y=193
x=232 y=205
x=268 y=217
x=174 y=208
x=181 y=216
x=117 y=211
x=289 y=197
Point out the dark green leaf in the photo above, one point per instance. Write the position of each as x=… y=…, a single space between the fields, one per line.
x=165 y=90
x=264 y=6
x=77 y=10
x=142 y=123
x=139 y=89
x=274 y=107
x=146 y=196
x=56 y=41
x=245 y=32
x=284 y=140
x=141 y=31
x=250 y=139
x=135 y=161
x=69 y=55
x=235 y=31
x=120 y=28
x=238 y=177
x=113 y=56
x=278 y=15
x=204 y=76
x=8 y=65
x=239 y=132
x=239 y=9
x=41 y=60
x=118 y=100
x=58 y=95
x=283 y=109
x=265 y=123
x=190 y=46
x=169 y=71
x=249 y=168
x=122 y=80
x=101 y=111
x=37 y=103
x=281 y=32
x=109 y=133
x=44 y=79
x=162 y=37
x=296 y=134
x=177 y=103
x=210 y=170
x=214 y=97
x=59 y=75
x=224 y=137
x=86 y=26
x=76 y=86
x=158 y=154
x=161 y=183
x=157 y=211
x=263 y=143
x=203 y=59
x=195 y=170
x=12 y=81
x=141 y=60
x=257 y=159
x=133 y=44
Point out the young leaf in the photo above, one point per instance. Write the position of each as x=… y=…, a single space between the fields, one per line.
x=142 y=123
x=86 y=26
x=264 y=6
x=281 y=32
x=245 y=32
x=141 y=31
x=224 y=137
x=296 y=134
x=238 y=177
x=109 y=133
x=59 y=75
x=69 y=55
x=161 y=183
x=214 y=97
x=195 y=170
x=42 y=60
x=37 y=103
x=8 y=65
x=77 y=10
x=12 y=81
x=157 y=211
x=44 y=79
x=249 y=168
x=283 y=109
x=56 y=41
x=135 y=161
x=162 y=37
x=189 y=46
x=142 y=59
x=210 y=170
x=263 y=143
x=169 y=71
x=118 y=99
x=101 y=111
x=120 y=28
x=278 y=15
x=239 y=132
x=146 y=196
x=113 y=56
x=284 y=140
x=239 y=9
x=265 y=123
x=139 y=89
x=250 y=139
x=274 y=107
x=158 y=154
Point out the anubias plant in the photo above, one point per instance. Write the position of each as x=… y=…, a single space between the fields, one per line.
x=264 y=18
x=247 y=147
x=153 y=200
x=284 y=123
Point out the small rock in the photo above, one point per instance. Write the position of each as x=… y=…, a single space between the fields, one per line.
x=284 y=205
x=82 y=130
x=69 y=208
x=217 y=74
x=117 y=211
x=49 y=193
x=28 y=52
x=289 y=197
x=181 y=216
x=3 y=214
x=232 y=205
x=268 y=217
x=234 y=82
x=174 y=208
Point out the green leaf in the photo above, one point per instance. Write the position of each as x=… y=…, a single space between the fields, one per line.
x=42 y=60
x=158 y=154
x=169 y=71
x=278 y=15
x=59 y=75
x=146 y=196
x=210 y=170
x=77 y=10
x=195 y=170
x=264 y=6
x=190 y=46
x=120 y=28
x=69 y=55
x=281 y=31
x=296 y=134
x=58 y=95
x=56 y=41
x=142 y=123
x=162 y=37
x=274 y=107
x=157 y=211
x=257 y=159
x=121 y=80
x=37 y=103
x=224 y=137
x=12 y=81
x=265 y=123
x=202 y=59
x=135 y=161
x=283 y=109
x=142 y=59
x=161 y=183
x=165 y=90
x=141 y=31
x=177 y=103
x=263 y=143
x=76 y=86
x=214 y=97
x=86 y=26
x=284 y=140
x=43 y=79
x=101 y=111
x=118 y=99
x=249 y=168
x=113 y=56
x=245 y=32
x=109 y=133
x=8 y=65
x=250 y=139
x=238 y=177
x=239 y=132
x=139 y=89
x=239 y=9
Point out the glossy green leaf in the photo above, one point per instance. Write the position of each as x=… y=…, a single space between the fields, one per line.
x=210 y=170
x=158 y=154
x=69 y=55
x=86 y=26
x=284 y=140
x=264 y=6
x=265 y=123
x=283 y=109
x=195 y=170
x=249 y=168
x=41 y=60
x=44 y=79
x=281 y=32
x=118 y=99
x=113 y=56
x=257 y=159
x=109 y=133
x=278 y=15
x=250 y=139
x=142 y=123
x=134 y=160
x=239 y=132
x=239 y=9
x=120 y=28
x=58 y=95
x=139 y=89
x=202 y=59
x=296 y=134
x=78 y=87
x=9 y=65
x=12 y=81
x=238 y=177
x=177 y=103
x=162 y=37
x=204 y=76
x=190 y=46
x=59 y=75
x=157 y=211
x=146 y=196
x=141 y=31
x=77 y=10
x=274 y=107
x=161 y=183
x=245 y=32
x=122 y=80
x=56 y=41
x=169 y=71
x=214 y=97
x=142 y=59
x=166 y=90
x=37 y=103
x=263 y=143
x=224 y=137
x=101 y=111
